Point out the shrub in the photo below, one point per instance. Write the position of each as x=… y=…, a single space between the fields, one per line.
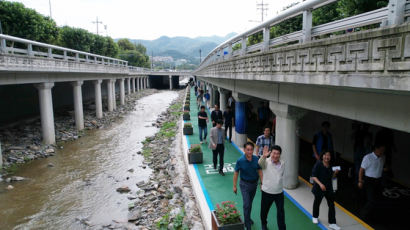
x=195 y=149
x=186 y=112
x=227 y=213
x=187 y=125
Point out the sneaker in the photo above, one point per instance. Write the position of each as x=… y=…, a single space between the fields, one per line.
x=201 y=142
x=222 y=173
x=334 y=227
x=315 y=220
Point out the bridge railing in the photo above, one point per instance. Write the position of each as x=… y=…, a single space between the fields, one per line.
x=395 y=13
x=19 y=46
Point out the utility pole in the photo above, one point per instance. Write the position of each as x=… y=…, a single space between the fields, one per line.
x=263 y=7
x=49 y=6
x=97 y=22
x=152 y=59
x=200 y=57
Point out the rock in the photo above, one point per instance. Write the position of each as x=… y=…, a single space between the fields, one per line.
x=123 y=189
x=139 y=152
x=132 y=197
x=16 y=148
x=17 y=178
x=8 y=180
x=134 y=215
x=94 y=122
x=50 y=150
x=10 y=187
x=50 y=165
x=130 y=170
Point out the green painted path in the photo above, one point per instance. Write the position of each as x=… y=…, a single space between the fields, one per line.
x=219 y=188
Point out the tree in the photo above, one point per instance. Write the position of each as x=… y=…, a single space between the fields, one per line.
x=347 y=8
x=134 y=54
x=76 y=38
x=19 y=21
x=125 y=44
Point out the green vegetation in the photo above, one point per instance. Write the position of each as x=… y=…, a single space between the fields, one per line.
x=167 y=129
x=146 y=152
x=19 y=21
x=186 y=113
x=177 y=222
x=195 y=149
x=187 y=125
x=176 y=106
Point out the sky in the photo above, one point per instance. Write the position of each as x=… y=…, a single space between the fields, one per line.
x=150 y=19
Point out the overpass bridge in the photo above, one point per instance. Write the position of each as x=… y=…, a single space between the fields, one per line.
x=24 y=62
x=362 y=76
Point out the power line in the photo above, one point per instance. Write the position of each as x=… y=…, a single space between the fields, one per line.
x=97 y=22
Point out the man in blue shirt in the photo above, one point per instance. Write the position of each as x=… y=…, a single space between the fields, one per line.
x=249 y=170
x=264 y=140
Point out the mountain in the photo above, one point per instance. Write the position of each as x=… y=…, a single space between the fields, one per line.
x=182 y=47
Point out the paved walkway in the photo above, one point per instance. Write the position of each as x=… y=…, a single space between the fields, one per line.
x=217 y=188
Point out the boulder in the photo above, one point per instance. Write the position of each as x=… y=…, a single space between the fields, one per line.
x=123 y=189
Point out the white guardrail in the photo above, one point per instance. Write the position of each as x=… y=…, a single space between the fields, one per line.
x=37 y=49
x=395 y=13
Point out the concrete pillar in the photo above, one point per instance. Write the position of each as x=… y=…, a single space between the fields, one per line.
x=98 y=100
x=46 y=112
x=286 y=137
x=222 y=98
x=145 y=82
x=138 y=84
x=212 y=96
x=129 y=86
x=78 y=104
x=114 y=96
x=122 y=91
x=148 y=84
x=133 y=84
x=109 y=96
x=170 y=82
x=396 y=12
x=241 y=123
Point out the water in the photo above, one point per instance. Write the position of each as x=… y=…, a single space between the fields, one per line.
x=86 y=173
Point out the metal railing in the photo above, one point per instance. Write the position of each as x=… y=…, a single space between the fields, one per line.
x=43 y=50
x=395 y=13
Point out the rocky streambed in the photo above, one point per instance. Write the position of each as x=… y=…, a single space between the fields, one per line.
x=166 y=201
x=21 y=142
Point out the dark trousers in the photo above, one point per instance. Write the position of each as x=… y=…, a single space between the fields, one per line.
x=230 y=131
x=266 y=203
x=248 y=191
x=219 y=151
x=373 y=190
x=330 y=202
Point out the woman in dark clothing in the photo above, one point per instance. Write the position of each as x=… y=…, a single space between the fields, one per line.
x=322 y=175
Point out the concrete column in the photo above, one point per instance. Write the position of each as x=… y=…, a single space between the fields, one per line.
x=145 y=82
x=138 y=84
x=46 y=112
x=286 y=137
x=109 y=96
x=241 y=123
x=395 y=13
x=78 y=104
x=98 y=100
x=114 y=96
x=129 y=86
x=266 y=38
x=133 y=84
x=222 y=98
x=170 y=82
x=122 y=91
x=148 y=84
x=212 y=96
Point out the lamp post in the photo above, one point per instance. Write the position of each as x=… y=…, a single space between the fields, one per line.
x=200 y=58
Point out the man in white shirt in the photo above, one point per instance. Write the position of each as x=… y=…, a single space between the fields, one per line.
x=370 y=175
x=272 y=185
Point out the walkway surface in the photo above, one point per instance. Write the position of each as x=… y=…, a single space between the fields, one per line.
x=217 y=188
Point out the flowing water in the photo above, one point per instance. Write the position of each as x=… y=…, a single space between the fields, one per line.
x=86 y=173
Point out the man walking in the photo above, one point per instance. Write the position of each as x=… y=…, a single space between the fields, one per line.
x=272 y=185
x=323 y=140
x=264 y=140
x=249 y=170
x=228 y=120
x=370 y=175
x=216 y=115
x=216 y=143
x=202 y=120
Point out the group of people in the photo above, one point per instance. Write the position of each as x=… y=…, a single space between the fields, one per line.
x=265 y=166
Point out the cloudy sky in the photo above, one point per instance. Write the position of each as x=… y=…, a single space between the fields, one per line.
x=150 y=19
